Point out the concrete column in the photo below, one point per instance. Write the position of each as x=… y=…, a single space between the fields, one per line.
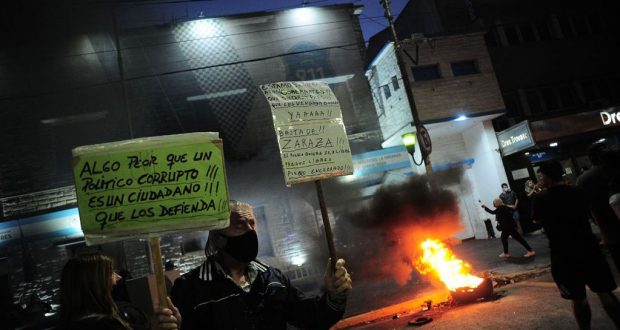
x=488 y=171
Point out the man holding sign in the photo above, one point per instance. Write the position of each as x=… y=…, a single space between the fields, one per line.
x=232 y=290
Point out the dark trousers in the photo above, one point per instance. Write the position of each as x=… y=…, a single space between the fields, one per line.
x=516 y=236
x=614 y=250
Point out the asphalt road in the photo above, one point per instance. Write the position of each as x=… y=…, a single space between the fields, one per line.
x=530 y=303
x=482 y=255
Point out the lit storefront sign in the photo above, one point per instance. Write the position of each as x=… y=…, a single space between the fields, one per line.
x=583 y=122
x=536 y=157
x=54 y=226
x=515 y=138
x=610 y=117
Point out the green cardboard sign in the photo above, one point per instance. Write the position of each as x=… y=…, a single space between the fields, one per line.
x=151 y=185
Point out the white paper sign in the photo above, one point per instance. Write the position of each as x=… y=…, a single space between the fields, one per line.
x=311 y=135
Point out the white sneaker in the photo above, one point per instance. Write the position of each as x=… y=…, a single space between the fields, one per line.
x=529 y=254
x=504 y=255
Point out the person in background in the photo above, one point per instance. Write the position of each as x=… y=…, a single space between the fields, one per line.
x=596 y=182
x=510 y=199
x=503 y=215
x=531 y=188
x=576 y=260
x=86 y=294
x=168 y=266
x=233 y=290
x=614 y=196
x=613 y=161
x=119 y=289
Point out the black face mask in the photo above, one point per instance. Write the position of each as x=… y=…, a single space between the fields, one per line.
x=243 y=248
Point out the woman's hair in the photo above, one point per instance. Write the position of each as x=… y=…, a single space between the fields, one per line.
x=86 y=289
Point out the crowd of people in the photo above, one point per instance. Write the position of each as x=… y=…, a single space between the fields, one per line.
x=231 y=289
x=564 y=210
x=576 y=259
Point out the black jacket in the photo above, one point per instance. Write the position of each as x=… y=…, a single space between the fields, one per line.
x=503 y=215
x=207 y=299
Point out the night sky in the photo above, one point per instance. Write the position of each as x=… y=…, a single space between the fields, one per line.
x=372 y=19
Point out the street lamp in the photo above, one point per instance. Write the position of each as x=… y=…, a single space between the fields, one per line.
x=409 y=140
x=425 y=149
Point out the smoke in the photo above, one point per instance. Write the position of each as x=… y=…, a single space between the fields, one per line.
x=378 y=236
x=382 y=237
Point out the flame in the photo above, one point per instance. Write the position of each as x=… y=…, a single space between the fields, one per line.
x=440 y=262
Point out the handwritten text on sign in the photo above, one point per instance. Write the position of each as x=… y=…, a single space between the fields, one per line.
x=157 y=188
x=314 y=150
x=293 y=102
x=311 y=135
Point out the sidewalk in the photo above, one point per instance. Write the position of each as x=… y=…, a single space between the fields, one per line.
x=532 y=302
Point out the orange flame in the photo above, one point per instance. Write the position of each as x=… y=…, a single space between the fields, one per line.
x=440 y=262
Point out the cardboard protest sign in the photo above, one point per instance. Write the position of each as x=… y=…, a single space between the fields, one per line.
x=311 y=135
x=151 y=185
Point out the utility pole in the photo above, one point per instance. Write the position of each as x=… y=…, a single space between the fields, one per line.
x=424 y=139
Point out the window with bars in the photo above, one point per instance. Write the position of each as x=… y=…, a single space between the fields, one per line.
x=386 y=91
x=395 y=83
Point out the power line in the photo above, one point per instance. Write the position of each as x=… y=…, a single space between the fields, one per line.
x=372 y=20
x=136 y=2
x=242 y=48
x=186 y=40
x=258 y=59
x=309 y=3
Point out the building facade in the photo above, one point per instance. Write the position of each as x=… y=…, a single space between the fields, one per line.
x=555 y=65
x=557 y=68
x=456 y=95
x=98 y=73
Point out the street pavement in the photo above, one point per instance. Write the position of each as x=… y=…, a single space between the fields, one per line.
x=526 y=296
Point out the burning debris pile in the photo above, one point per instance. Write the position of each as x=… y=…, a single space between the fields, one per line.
x=500 y=279
x=404 y=226
x=394 y=223
x=438 y=261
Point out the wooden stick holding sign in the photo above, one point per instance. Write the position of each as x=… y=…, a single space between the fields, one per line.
x=329 y=236
x=158 y=268
x=312 y=138
x=150 y=186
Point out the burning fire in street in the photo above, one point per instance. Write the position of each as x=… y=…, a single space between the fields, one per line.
x=412 y=219
x=437 y=260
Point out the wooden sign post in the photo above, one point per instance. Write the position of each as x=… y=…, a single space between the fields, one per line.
x=158 y=268
x=312 y=138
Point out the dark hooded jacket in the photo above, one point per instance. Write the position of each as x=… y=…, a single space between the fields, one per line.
x=503 y=215
x=208 y=299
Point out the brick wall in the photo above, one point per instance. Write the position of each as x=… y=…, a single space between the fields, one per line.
x=451 y=96
x=439 y=99
x=394 y=111
x=448 y=149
